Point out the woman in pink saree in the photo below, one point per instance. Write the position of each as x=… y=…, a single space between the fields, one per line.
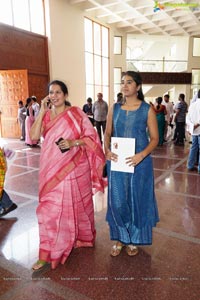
x=70 y=173
x=28 y=123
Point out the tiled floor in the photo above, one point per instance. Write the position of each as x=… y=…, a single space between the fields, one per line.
x=169 y=269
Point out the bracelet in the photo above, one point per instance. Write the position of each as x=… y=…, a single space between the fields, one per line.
x=77 y=143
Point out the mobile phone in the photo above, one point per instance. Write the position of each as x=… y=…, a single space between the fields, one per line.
x=57 y=143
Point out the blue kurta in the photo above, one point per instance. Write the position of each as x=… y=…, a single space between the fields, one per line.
x=132 y=209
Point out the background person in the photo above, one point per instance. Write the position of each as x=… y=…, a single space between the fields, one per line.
x=160 y=111
x=87 y=108
x=71 y=165
x=168 y=115
x=21 y=117
x=6 y=204
x=132 y=209
x=28 y=123
x=35 y=106
x=181 y=109
x=100 y=111
x=193 y=119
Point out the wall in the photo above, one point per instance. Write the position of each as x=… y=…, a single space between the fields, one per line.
x=193 y=62
x=65 y=30
x=20 y=49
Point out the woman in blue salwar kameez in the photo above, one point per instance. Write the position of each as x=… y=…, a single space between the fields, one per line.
x=132 y=209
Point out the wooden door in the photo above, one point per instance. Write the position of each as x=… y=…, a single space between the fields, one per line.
x=13 y=87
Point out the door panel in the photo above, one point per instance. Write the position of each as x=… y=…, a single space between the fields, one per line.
x=13 y=87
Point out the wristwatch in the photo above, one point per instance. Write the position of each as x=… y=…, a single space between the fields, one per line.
x=77 y=143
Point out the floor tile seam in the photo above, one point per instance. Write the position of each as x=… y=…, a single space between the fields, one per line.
x=177 y=235
x=30 y=154
x=170 y=170
x=61 y=290
x=35 y=198
x=177 y=193
x=22 y=166
x=165 y=157
x=18 y=271
x=21 y=174
x=23 y=151
x=186 y=172
x=178 y=172
x=12 y=293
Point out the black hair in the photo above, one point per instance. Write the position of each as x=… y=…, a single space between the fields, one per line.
x=166 y=96
x=89 y=99
x=159 y=101
x=182 y=96
x=34 y=98
x=198 y=94
x=138 y=80
x=119 y=94
x=61 y=84
x=67 y=103
x=20 y=102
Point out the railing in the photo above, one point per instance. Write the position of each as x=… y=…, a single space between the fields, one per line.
x=156 y=65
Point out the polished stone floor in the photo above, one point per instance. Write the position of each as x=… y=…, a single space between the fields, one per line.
x=169 y=269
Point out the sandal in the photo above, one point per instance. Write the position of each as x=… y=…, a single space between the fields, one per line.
x=116 y=249
x=39 y=265
x=132 y=250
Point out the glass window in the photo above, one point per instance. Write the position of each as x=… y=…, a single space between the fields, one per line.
x=196 y=77
x=196 y=47
x=6 y=12
x=97 y=39
x=117 y=45
x=88 y=35
x=21 y=14
x=24 y=14
x=96 y=59
x=37 y=16
x=90 y=68
x=90 y=91
x=117 y=81
x=105 y=71
x=105 y=41
x=97 y=69
x=105 y=92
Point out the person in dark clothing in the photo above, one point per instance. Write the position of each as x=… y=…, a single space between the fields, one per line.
x=87 y=108
x=181 y=110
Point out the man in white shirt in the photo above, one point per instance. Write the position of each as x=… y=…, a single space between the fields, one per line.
x=193 y=126
x=35 y=106
x=169 y=115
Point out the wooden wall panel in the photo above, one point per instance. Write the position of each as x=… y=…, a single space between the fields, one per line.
x=37 y=86
x=23 y=50
x=166 y=78
x=13 y=87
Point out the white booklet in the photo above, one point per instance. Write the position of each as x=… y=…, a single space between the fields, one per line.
x=123 y=147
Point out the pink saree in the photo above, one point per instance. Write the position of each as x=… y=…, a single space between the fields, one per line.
x=67 y=182
x=28 y=123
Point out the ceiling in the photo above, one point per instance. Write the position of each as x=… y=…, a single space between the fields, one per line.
x=170 y=18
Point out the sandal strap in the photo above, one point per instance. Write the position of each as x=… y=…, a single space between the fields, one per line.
x=117 y=247
x=39 y=264
x=132 y=247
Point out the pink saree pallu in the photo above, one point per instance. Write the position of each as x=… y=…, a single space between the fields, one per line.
x=67 y=182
